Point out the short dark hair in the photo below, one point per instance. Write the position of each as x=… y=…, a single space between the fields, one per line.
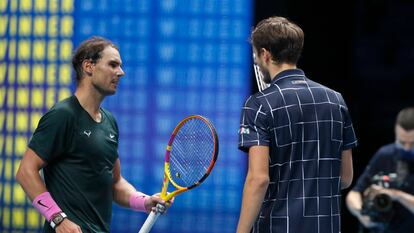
x=281 y=37
x=89 y=49
x=405 y=118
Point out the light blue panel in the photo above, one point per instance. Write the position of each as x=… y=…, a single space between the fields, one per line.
x=180 y=58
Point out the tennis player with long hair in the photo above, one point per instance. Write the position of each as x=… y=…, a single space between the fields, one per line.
x=298 y=135
x=76 y=146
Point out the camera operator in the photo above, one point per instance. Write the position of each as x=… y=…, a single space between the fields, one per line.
x=396 y=159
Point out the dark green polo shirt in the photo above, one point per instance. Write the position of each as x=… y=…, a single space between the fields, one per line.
x=80 y=155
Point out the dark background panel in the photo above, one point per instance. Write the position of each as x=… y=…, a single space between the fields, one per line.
x=363 y=49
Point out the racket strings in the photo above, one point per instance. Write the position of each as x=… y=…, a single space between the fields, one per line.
x=261 y=85
x=192 y=152
x=259 y=78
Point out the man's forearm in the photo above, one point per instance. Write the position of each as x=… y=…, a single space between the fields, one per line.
x=31 y=183
x=122 y=192
x=405 y=199
x=253 y=195
x=28 y=175
x=354 y=203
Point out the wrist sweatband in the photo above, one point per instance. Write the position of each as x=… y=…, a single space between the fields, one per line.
x=137 y=201
x=46 y=205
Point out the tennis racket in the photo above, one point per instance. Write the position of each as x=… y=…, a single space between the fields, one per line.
x=261 y=85
x=190 y=156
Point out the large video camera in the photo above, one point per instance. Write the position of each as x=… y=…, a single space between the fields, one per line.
x=379 y=206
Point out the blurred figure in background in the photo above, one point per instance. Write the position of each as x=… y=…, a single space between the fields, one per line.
x=299 y=138
x=383 y=197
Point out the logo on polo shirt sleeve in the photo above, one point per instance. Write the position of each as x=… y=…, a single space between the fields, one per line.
x=244 y=130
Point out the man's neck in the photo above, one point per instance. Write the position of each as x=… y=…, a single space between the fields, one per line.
x=275 y=69
x=90 y=100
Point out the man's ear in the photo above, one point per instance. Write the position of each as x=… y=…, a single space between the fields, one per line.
x=87 y=66
x=266 y=54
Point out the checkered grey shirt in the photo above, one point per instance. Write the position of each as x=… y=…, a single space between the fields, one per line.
x=306 y=126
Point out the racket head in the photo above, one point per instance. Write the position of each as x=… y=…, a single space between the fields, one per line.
x=191 y=154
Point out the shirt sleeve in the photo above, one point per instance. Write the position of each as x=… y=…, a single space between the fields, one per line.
x=253 y=125
x=348 y=134
x=52 y=135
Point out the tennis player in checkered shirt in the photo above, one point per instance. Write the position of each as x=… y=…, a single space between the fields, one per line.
x=298 y=135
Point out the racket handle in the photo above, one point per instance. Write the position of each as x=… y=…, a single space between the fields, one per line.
x=152 y=217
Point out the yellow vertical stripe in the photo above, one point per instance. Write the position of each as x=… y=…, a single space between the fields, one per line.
x=2 y=100
x=3 y=5
x=18 y=217
x=66 y=50
x=11 y=73
x=66 y=26
x=1 y=160
x=22 y=122
x=65 y=74
x=1 y=169
x=10 y=97
x=25 y=5
x=13 y=25
x=3 y=24
x=39 y=26
x=64 y=93
x=2 y=77
x=6 y=217
x=40 y=6
x=35 y=118
x=1 y=147
x=38 y=74
x=23 y=73
x=52 y=26
x=52 y=50
x=51 y=74
x=9 y=147
x=39 y=49
x=25 y=26
x=8 y=174
x=37 y=98
x=24 y=49
x=33 y=218
x=50 y=97
x=22 y=97
x=19 y=197
x=31 y=84
x=13 y=6
x=3 y=48
x=20 y=146
x=53 y=6
x=12 y=49
x=10 y=122
x=67 y=6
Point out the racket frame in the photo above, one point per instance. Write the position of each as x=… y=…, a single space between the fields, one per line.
x=167 y=173
x=261 y=85
x=152 y=217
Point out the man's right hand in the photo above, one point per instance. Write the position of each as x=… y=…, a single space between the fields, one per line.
x=67 y=226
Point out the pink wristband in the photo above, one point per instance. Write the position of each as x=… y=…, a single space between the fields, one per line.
x=137 y=201
x=46 y=205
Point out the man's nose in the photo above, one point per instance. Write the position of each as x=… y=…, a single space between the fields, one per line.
x=120 y=72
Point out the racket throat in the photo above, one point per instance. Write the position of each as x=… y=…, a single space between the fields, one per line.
x=164 y=190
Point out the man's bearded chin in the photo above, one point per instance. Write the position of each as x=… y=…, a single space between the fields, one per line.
x=266 y=76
